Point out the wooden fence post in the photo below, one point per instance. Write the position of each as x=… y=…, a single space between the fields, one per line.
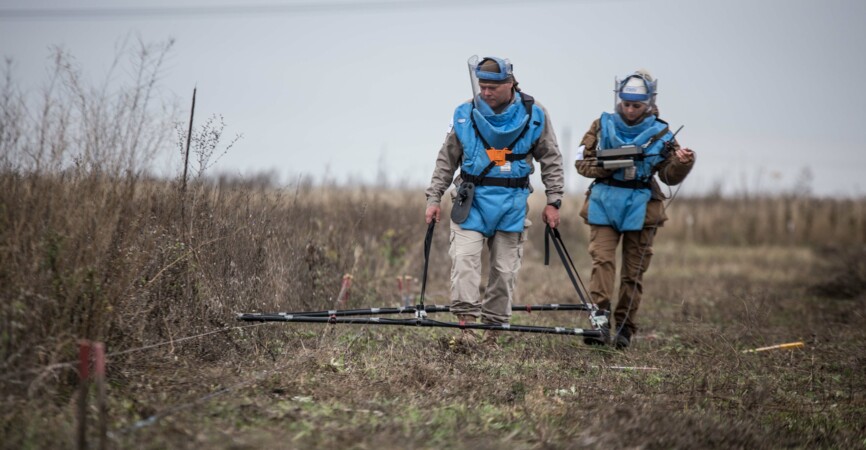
x=345 y=286
x=99 y=377
x=83 y=385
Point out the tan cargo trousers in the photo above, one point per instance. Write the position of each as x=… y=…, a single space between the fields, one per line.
x=506 y=253
x=637 y=252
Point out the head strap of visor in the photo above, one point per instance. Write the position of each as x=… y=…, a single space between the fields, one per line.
x=648 y=82
x=505 y=70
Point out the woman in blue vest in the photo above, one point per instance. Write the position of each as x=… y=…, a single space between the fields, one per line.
x=493 y=140
x=623 y=151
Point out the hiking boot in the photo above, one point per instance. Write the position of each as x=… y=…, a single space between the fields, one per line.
x=466 y=336
x=600 y=320
x=623 y=339
x=462 y=342
x=490 y=338
x=604 y=339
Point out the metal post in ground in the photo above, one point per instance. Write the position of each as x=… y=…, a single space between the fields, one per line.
x=188 y=142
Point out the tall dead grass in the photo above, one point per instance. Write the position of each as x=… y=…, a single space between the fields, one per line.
x=113 y=260
x=784 y=220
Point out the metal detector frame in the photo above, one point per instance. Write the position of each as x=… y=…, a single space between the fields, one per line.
x=420 y=311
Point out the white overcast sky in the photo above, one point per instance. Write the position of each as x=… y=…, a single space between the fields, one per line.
x=765 y=89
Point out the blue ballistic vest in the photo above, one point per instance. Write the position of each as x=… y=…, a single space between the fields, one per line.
x=624 y=208
x=497 y=208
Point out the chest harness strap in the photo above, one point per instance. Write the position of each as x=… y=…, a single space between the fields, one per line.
x=481 y=179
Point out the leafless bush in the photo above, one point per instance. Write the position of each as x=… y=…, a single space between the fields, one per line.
x=112 y=127
x=206 y=143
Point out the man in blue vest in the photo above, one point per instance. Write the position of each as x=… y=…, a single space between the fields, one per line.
x=493 y=140
x=625 y=202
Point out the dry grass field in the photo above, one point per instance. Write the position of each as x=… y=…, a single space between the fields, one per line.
x=114 y=260
x=91 y=247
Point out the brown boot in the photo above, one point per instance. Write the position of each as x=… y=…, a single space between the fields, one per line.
x=491 y=338
x=467 y=336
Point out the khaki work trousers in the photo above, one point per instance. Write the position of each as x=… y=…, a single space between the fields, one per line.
x=506 y=253
x=636 y=255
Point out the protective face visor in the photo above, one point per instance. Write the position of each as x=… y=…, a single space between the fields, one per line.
x=506 y=72
x=636 y=87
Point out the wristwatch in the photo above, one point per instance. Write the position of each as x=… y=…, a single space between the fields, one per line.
x=556 y=204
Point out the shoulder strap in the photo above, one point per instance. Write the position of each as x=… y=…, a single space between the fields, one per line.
x=528 y=101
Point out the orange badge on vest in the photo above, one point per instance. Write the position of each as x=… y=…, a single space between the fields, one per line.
x=497 y=155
